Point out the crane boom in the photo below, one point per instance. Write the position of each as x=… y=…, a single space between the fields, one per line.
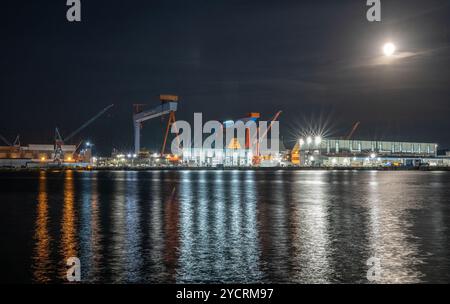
x=270 y=126
x=5 y=140
x=355 y=126
x=17 y=141
x=87 y=123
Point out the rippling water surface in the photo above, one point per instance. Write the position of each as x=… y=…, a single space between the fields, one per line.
x=225 y=226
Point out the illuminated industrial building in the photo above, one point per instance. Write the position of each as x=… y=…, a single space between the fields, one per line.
x=38 y=155
x=357 y=153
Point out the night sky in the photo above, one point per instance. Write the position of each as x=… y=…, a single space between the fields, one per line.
x=320 y=62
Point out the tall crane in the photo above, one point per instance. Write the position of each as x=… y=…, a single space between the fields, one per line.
x=259 y=139
x=354 y=128
x=275 y=117
x=17 y=141
x=7 y=142
x=169 y=104
x=59 y=140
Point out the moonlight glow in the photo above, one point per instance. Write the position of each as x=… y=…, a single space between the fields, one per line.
x=389 y=49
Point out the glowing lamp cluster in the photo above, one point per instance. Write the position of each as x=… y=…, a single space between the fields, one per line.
x=309 y=140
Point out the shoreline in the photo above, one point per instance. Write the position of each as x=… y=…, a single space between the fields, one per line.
x=443 y=169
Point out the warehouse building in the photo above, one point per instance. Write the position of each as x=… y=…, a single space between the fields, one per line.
x=338 y=152
x=37 y=155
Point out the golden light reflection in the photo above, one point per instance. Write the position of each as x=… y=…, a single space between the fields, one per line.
x=41 y=259
x=68 y=224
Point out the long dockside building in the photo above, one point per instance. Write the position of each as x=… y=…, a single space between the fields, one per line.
x=363 y=152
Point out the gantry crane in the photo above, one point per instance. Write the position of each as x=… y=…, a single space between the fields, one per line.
x=169 y=105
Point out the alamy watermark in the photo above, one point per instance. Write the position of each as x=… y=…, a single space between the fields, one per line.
x=73 y=274
x=248 y=135
x=374 y=272
x=374 y=12
x=74 y=11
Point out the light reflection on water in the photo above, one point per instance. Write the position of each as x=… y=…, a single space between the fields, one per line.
x=41 y=256
x=69 y=237
x=242 y=226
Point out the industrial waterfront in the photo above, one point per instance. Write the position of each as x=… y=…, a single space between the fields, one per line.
x=225 y=226
x=246 y=145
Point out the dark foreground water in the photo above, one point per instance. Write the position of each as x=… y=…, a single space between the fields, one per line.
x=225 y=226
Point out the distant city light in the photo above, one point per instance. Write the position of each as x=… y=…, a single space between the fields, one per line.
x=302 y=142
x=309 y=140
x=373 y=155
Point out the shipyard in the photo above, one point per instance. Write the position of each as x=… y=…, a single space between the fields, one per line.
x=206 y=149
x=311 y=151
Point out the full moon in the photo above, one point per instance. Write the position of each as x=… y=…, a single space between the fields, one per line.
x=389 y=49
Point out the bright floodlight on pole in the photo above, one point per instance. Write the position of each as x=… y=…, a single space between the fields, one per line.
x=309 y=140
x=301 y=142
x=373 y=155
x=318 y=140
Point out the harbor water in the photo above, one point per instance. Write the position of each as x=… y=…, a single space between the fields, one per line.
x=238 y=226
